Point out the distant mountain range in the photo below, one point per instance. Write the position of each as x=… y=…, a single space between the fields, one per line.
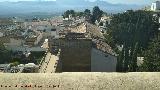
x=58 y=7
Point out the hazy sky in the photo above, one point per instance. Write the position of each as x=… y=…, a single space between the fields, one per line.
x=111 y=1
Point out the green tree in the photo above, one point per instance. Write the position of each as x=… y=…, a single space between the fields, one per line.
x=133 y=62
x=69 y=12
x=73 y=13
x=87 y=12
x=152 y=56
x=133 y=29
x=120 y=62
x=96 y=14
x=15 y=63
x=5 y=55
x=80 y=14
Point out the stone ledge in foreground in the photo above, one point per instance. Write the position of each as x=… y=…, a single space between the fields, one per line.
x=81 y=81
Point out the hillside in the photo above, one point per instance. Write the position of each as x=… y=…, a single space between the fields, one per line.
x=54 y=7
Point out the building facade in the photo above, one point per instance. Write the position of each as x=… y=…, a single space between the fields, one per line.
x=75 y=54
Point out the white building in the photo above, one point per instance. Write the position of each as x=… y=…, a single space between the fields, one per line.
x=105 y=19
x=155 y=6
x=140 y=61
x=1 y=34
x=102 y=62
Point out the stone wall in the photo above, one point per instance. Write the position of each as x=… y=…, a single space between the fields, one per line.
x=75 y=55
x=81 y=81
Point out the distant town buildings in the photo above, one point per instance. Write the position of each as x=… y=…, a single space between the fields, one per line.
x=155 y=6
x=22 y=68
x=71 y=45
x=3 y=67
x=7 y=24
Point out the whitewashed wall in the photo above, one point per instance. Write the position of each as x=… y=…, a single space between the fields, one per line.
x=101 y=63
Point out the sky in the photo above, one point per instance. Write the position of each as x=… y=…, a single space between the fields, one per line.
x=139 y=2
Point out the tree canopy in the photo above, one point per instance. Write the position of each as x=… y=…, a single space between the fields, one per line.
x=5 y=55
x=152 y=56
x=96 y=14
x=69 y=12
x=133 y=30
